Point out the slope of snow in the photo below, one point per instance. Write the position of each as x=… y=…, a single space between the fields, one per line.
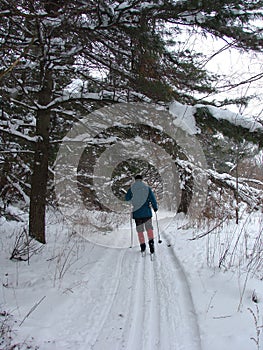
x=75 y=294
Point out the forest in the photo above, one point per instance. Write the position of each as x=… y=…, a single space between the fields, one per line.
x=94 y=92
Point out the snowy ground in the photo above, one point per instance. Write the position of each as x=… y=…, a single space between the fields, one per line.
x=75 y=294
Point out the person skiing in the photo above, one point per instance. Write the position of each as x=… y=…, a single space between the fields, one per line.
x=142 y=198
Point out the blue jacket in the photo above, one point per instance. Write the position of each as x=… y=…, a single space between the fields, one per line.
x=141 y=197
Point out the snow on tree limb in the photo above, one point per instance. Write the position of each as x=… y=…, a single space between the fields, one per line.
x=20 y=135
x=247 y=193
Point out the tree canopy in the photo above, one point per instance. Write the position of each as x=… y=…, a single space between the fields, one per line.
x=61 y=58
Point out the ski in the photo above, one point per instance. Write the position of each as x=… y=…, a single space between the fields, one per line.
x=152 y=255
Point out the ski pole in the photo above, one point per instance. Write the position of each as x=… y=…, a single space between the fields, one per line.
x=131 y=231
x=158 y=231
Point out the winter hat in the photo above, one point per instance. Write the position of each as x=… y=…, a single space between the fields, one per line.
x=138 y=177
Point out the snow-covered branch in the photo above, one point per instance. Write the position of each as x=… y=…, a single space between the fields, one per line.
x=20 y=135
x=248 y=194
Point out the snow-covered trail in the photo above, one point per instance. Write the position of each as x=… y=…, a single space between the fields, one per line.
x=135 y=303
x=176 y=301
x=114 y=299
x=77 y=318
x=134 y=317
x=77 y=294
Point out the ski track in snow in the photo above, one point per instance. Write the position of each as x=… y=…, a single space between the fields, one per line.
x=177 y=303
x=129 y=303
x=152 y=307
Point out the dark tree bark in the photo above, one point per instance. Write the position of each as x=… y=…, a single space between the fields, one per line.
x=186 y=196
x=40 y=168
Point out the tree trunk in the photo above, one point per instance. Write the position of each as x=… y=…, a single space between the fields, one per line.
x=186 y=196
x=40 y=168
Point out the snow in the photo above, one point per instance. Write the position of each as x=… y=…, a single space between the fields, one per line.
x=12 y=131
x=184 y=117
x=76 y=294
x=235 y=118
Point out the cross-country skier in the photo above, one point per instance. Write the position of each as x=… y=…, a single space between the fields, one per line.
x=142 y=198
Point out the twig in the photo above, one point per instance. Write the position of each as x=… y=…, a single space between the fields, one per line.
x=257 y=326
x=31 y=310
x=210 y=302
x=17 y=61
x=219 y=317
x=207 y=233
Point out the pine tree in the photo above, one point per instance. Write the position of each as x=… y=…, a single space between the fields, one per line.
x=45 y=45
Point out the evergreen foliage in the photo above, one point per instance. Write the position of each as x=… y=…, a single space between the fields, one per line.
x=223 y=141
x=116 y=51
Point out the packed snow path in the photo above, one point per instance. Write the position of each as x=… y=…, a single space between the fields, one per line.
x=152 y=307
x=107 y=298
x=75 y=294
x=130 y=302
